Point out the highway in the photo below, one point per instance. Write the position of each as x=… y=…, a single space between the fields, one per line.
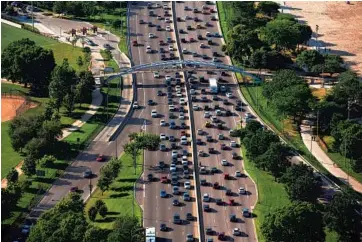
x=212 y=219
x=157 y=210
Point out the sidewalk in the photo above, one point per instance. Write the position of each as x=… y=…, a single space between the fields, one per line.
x=125 y=106
x=327 y=163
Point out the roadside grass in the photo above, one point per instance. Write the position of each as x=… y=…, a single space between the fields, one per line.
x=319 y=93
x=85 y=134
x=60 y=50
x=109 y=62
x=119 y=198
x=271 y=194
x=226 y=14
x=11 y=158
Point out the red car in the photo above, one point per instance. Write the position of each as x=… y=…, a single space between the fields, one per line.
x=183 y=133
x=215 y=185
x=212 y=10
x=100 y=158
x=231 y=202
x=226 y=176
x=192 y=40
x=164 y=179
x=135 y=43
x=221 y=236
x=223 y=146
x=161 y=42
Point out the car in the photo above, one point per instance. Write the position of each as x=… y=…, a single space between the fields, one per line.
x=87 y=174
x=242 y=191
x=228 y=113
x=195 y=10
x=173 y=168
x=175 y=190
x=175 y=202
x=235 y=155
x=201 y=153
x=107 y=46
x=182 y=116
x=203 y=182
x=186 y=196
x=189 y=216
x=211 y=150
x=184 y=140
x=163 y=136
x=226 y=176
x=223 y=147
x=186 y=172
x=221 y=236
x=163 y=147
x=150 y=102
x=222 y=89
x=232 y=218
x=163 y=194
x=168 y=28
x=150 y=177
x=163 y=122
x=168 y=20
x=225 y=102
x=238 y=174
x=228 y=192
x=189 y=238
x=141 y=21
x=219 y=201
x=214 y=170
x=231 y=202
x=159 y=17
x=173 y=146
x=100 y=158
x=171 y=138
x=229 y=95
x=214 y=119
x=202 y=45
x=207 y=124
x=215 y=185
x=233 y=144
x=159 y=93
x=198 y=142
x=148 y=49
x=187 y=185
x=135 y=43
x=207 y=115
x=151 y=35
x=206 y=197
x=221 y=137
x=161 y=164
x=183 y=125
x=163 y=227
x=214 y=59
x=213 y=18
x=220 y=126
x=182 y=101
x=236 y=232
x=209 y=231
x=203 y=170
x=164 y=179
x=206 y=207
x=176 y=218
x=224 y=162
x=185 y=153
x=246 y=212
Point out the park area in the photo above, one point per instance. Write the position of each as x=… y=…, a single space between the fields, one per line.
x=339 y=27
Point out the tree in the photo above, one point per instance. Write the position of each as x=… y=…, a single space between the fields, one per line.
x=332 y=63
x=80 y=61
x=298 y=222
x=341 y=216
x=36 y=148
x=29 y=166
x=12 y=176
x=51 y=131
x=259 y=143
x=84 y=88
x=258 y=59
x=281 y=80
x=305 y=33
x=47 y=161
x=9 y=199
x=63 y=78
x=68 y=102
x=103 y=210
x=59 y=7
x=99 y=203
x=126 y=228
x=95 y=234
x=92 y=213
x=309 y=58
x=104 y=183
x=286 y=16
x=27 y=63
x=268 y=8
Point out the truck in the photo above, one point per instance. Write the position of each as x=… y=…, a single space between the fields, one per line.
x=151 y=234
x=213 y=85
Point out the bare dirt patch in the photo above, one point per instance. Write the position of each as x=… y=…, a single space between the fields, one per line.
x=340 y=27
x=9 y=106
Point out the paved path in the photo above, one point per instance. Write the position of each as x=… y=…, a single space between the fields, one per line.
x=323 y=158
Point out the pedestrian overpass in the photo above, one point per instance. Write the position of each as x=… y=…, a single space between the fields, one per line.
x=181 y=65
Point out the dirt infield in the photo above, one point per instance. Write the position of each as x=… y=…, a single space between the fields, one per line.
x=340 y=27
x=9 y=106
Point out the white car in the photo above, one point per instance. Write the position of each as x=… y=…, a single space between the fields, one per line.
x=214 y=59
x=184 y=158
x=236 y=231
x=168 y=20
x=229 y=95
x=202 y=45
x=185 y=162
x=156 y=74
x=148 y=49
x=206 y=197
x=218 y=112
x=195 y=107
x=135 y=105
x=182 y=101
x=248 y=115
x=233 y=144
x=178 y=88
x=224 y=162
x=179 y=94
x=242 y=190
x=187 y=185
x=207 y=115
x=174 y=154
x=163 y=136
x=184 y=140
x=168 y=77
x=151 y=35
x=237 y=174
x=173 y=168
x=170 y=48
x=184 y=51
x=182 y=116
x=154 y=113
x=159 y=17
x=162 y=122
x=171 y=107
x=168 y=28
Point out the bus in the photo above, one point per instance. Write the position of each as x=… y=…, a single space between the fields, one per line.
x=213 y=85
x=151 y=234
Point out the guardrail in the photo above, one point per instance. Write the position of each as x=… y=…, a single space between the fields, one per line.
x=193 y=135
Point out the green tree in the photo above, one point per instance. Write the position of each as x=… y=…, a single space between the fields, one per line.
x=126 y=228
x=47 y=161
x=63 y=78
x=259 y=143
x=95 y=234
x=305 y=33
x=9 y=199
x=36 y=148
x=103 y=210
x=84 y=88
x=298 y=222
x=258 y=59
x=69 y=102
x=29 y=166
x=80 y=61
x=104 y=183
x=12 y=176
x=92 y=213
x=99 y=203
x=341 y=216
x=332 y=63
x=27 y=63
x=268 y=8
x=59 y=7
x=286 y=16
x=309 y=58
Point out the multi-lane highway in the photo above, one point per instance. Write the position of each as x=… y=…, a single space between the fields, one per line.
x=198 y=20
x=158 y=210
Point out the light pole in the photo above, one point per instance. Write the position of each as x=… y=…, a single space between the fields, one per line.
x=316 y=37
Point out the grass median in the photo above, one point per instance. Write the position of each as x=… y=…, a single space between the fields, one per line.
x=119 y=198
x=109 y=61
x=76 y=142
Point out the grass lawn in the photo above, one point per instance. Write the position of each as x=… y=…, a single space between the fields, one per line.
x=119 y=198
x=109 y=62
x=271 y=194
x=60 y=50
x=226 y=14
x=85 y=134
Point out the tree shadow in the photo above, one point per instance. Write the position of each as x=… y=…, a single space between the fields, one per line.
x=45 y=180
x=123 y=188
x=118 y=195
x=105 y=220
x=127 y=180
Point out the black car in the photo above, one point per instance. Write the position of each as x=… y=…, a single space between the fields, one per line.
x=238 y=102
x=203 y=91
x=218 y=201
x=198 y=142
x=182 y=109
x=215 y=98
x=204 y=99
x=189 y=216
x=213 y=170
x=232 y=218
x=173 y=146
x=183 y=125
x=193 y=98
x=225 y=102
x=206 y=207
x=178 y=81
x=150 y=102
x=150 y=177
x=209 y=138
x=163 y=227
x=228 y=113
x=163 y=57
x=203 y=182
x=199 y=37
x=159 y=93
x=161 y=164
x=170 y=101
x=206 y=108
x=215 y=54
x=219 y=126
x=183 y=40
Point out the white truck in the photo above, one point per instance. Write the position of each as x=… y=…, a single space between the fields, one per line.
x=213 y=85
